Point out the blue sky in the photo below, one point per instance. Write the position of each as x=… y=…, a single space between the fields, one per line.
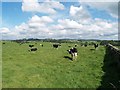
x=59 y=20
x=12 y=14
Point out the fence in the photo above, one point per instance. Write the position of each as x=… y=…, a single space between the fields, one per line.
x=114 y=53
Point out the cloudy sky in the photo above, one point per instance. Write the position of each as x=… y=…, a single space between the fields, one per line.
x=55 y=19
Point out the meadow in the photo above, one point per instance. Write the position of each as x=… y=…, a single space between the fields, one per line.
x=49 y=67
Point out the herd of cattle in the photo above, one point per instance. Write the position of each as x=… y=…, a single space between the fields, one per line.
x=32 y=48
x=72 y=51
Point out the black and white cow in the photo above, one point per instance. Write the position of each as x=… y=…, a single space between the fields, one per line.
x=33 y=49
x=31 y=46
x=73 y=52
x=41 y=45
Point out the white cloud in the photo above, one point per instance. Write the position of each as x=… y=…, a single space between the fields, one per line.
x=110 y=7
x=79 y=25
x=42 y=7
x=35 y=27
x=74 y=10
x=4 y=30
x=97 y=29
x=36 y=21
x=7 y=33
x=79 y=12
x=67 y=23
x=65 y=28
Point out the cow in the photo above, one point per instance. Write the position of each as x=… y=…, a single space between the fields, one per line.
x=95 y=45
x=33 y=49
x=73 y=52
x=85 y=45
x=76 y=45
x=31 y=46
x=56 y=45
x=3 y=43
x=41 y=45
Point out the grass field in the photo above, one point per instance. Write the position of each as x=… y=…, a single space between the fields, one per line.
x=118 y=47
x=47 y=67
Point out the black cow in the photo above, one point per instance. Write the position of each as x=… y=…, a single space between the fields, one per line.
x=55 y=45
x=76 y=45
x=85 y=45
x=33 y=49
x=31 y=46
x=95 y=45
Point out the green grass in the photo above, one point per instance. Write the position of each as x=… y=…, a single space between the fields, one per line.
x=118 y=47
x=47 y=67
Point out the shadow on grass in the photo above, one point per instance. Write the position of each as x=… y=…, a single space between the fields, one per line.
x=69 y=58
x=111 y=77
x=92 y=49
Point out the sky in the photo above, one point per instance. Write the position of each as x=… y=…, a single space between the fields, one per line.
x=59 y=20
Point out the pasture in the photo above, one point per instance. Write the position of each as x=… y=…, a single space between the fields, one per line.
x=49 y=67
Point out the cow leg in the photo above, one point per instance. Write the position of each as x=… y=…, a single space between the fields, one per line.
x=73 y=56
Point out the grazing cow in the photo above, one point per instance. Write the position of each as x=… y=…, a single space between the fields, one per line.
x=41 y=45
x=31 y=46
x=55 y=45
x=73 y=52
x=95 y=45
x=85 y=45
x=33 y=49
x=76 y=45
x=3 y=43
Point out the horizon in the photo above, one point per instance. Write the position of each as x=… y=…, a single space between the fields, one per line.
x=59 y=39
x=59 y=20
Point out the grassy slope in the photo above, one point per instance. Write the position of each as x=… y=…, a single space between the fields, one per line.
x=48 y=68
